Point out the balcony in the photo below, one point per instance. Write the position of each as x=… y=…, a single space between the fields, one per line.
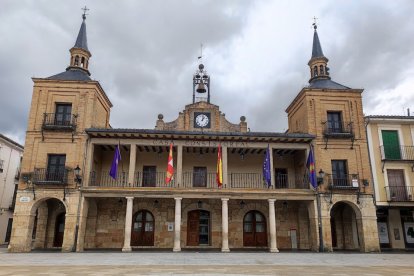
x=399 y=193
x=347 y=182
x=195 y=180
x=335 y=129
x=397 y=153
x=61 y=122
x=45 y=177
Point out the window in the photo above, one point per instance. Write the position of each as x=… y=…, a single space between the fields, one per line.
x=340 y=173
x=149 y=177
x=334 y=122
x=396 y=185
x=391 y=144
x=200 y=177
x=56 y=167
x=63 y=114
x=315 y=71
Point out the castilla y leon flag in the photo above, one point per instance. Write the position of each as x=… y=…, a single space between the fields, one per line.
x=219 y=176
x=170 y=167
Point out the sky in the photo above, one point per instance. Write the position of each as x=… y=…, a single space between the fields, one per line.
x=144 y=54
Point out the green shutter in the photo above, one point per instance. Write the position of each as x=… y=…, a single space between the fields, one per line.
x=391 y=144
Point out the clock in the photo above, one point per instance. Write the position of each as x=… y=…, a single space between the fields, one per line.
x=202 y=120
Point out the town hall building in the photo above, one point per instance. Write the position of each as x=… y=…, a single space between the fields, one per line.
x=67 y=199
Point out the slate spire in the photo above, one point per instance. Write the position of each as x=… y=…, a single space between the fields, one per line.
x=81 y=40
x=318 y=63
x=316 y=48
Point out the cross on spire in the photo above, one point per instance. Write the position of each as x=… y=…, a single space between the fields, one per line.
x=314 y=24
x=85 y=9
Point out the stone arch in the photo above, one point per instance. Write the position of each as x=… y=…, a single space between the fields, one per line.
x=346 y=226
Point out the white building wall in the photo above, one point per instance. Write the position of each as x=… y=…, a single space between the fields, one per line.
x=10 y=153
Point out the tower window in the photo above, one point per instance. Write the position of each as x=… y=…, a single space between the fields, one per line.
x=315 y=71
x=83 y=62
x=321 y=71
x=77 y=61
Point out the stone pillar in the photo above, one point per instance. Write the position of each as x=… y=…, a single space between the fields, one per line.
x=272 y=226
x=128 y=224
x=68 y=244
x=177 y=225
x=225 y=225
x=42 y=215
x=83 y=218
x=21 y=236
x=179 y=175
x=226 y=183
x=89 y=165
x=132 y=162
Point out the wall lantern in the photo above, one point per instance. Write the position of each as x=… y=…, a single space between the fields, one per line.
x=320 y=177
x=199 y=204
x=78 y=177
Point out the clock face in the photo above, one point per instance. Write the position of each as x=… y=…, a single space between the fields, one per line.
x=201 y=119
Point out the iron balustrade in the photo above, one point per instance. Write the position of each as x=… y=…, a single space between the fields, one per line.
x=348 y=181
x=246 y=180
x=59 y=121
x=284 y=181
x=397 y=153
x=105 y=180
x=153 y=179
x=45 y=176
x=399 y=193
x=334 y=128
x=199 y=180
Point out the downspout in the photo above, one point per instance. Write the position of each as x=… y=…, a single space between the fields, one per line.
x=370 y=162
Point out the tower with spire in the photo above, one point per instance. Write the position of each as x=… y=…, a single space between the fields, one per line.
x=333 y=113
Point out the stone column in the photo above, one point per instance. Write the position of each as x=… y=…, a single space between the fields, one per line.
x=225 y=171
x=177 y=225
x=68 y=244
x=21 y=236
x=179 y=175
x=132 y=162
x=225 y=225
x=83 y=218
x=272 y=226
x=128 y=222
x=89 y=165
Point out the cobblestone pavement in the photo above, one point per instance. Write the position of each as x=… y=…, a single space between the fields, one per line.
x=205 y=263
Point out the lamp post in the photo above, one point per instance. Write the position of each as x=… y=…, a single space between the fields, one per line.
x=318 y=202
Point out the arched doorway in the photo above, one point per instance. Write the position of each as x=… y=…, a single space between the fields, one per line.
x=142 y=229
x=254 y=229
x=198 y=228
x=59 y=230
x=344 y=227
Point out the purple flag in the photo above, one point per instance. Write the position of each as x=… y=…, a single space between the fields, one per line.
x=266 y=168
x=115 y=161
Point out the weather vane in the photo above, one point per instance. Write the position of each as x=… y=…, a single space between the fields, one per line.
x=84 y=12
x=315 y=25
x=201 y=51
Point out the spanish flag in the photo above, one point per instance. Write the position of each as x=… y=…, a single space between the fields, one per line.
x=219 y=176
x=170 y=167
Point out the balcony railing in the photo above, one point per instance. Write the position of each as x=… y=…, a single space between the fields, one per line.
x=397 y=153
x=196 y=180
x=45 y=176
x=105 y=180
x=400 y=193
x=349 y=181
x=1 y=165
x=338 y=129
x=57 y=121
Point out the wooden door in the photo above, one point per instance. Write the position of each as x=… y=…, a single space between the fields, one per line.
x=254 y=229
x=142 y=232
x=200 y=177
x=59 y=230
x=193 y=223
x=149 y=176
x=281 y=178
x=396 y=184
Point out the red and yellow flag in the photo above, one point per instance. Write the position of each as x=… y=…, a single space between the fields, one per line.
x=219 y=176
x=170 y=167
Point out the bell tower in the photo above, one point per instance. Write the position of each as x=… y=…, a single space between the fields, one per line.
x=79 y=53
x=201 y=85
x=318 y=62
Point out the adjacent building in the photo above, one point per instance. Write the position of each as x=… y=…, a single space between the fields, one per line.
x=391 y=149
x=10 y=157
x=68 y=200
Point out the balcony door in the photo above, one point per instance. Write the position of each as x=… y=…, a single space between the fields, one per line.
x=200 y=177
x=149 y=176
x=281 y=176
x=198 y=228
x=334 y=122
x=142 y=229
x=254 y=229
x=56 y=167
x=63 y=114
x=391 y=144
x=396 y=183
x=340 y=173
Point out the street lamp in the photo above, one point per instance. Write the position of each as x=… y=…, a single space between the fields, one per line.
x=78 y=177
x=320 y=177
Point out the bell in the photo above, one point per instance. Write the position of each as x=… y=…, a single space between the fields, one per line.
x=201 y=88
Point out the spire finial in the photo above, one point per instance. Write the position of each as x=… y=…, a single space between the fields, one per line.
x=84 y=12
x=315 y=24
x=201 y=51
